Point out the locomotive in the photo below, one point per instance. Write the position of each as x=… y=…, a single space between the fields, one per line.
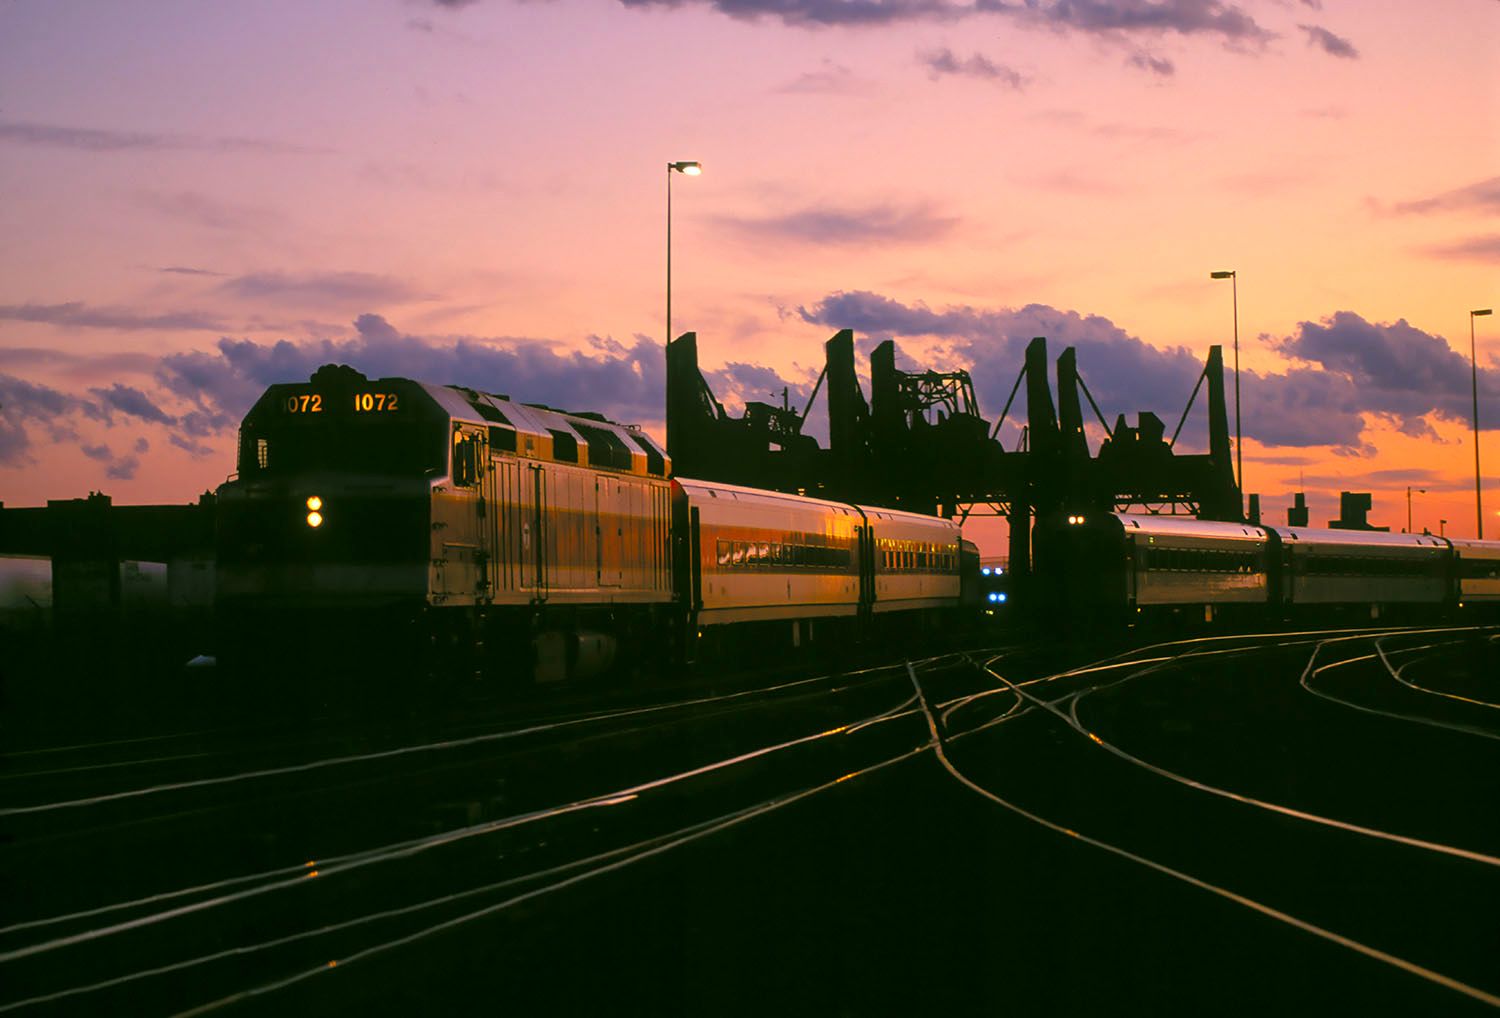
x=389 y=514
x=1113 y=566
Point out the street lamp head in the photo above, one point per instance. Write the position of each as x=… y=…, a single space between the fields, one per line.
x=1220 y=275
x=1482 y=311
x=690 y=167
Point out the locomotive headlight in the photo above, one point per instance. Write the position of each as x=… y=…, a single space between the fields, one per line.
x=315 y=519
x=314 y=503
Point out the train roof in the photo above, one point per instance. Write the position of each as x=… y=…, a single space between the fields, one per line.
x=542 y=432
x=906 y=515
x=1470 y=548
x=1357 y=538
x=740 y=493
x=1183 y=526
x=1187 y=526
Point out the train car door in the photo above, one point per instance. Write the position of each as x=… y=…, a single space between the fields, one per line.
x=504 y=539
x=612 y=507
x=865 y=559
x=464 y=557
x=533 y=531
x=488 y=509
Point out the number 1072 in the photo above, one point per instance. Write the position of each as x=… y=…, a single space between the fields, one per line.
x=374 y=401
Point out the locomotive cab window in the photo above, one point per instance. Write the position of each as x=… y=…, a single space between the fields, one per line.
x=468 y=464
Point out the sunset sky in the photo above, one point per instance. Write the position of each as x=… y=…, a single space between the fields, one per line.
x=200 y=199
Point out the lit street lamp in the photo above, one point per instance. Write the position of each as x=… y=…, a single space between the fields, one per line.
x=1409 y=490
x=692 y=168
x=1474 y=386
x=1239 y=455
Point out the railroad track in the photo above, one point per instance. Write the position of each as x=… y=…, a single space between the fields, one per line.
x=358 y=860
x=326 y=878
x=1325 y=829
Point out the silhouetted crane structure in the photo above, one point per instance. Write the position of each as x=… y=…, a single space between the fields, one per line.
x=921 y=444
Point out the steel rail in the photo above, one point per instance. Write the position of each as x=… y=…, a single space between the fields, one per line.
x=1309 y=673
x=293 y=876
x=1396 y=674
x=1385 y=957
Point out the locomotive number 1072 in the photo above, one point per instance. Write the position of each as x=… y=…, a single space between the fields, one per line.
x=374 y=402
x=364 y=402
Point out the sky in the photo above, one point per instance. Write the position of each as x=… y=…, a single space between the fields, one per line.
x=203 y=199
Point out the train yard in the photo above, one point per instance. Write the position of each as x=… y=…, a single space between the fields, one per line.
x=1289 y=819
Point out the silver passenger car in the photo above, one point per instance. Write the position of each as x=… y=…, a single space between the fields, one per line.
x=1181 y=561
x=1324 y=567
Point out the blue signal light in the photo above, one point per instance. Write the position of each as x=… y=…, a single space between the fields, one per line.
x=994 y=597
x=999 y=597
x=985 y=571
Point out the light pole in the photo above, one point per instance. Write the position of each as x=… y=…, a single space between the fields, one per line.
x=1409 y=490
x=692 y=168
x=1474 y=389
x=1442 y=528
x=1239 y=454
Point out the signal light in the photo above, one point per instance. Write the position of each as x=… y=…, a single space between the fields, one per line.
x=314 y=503
x=315 y=519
